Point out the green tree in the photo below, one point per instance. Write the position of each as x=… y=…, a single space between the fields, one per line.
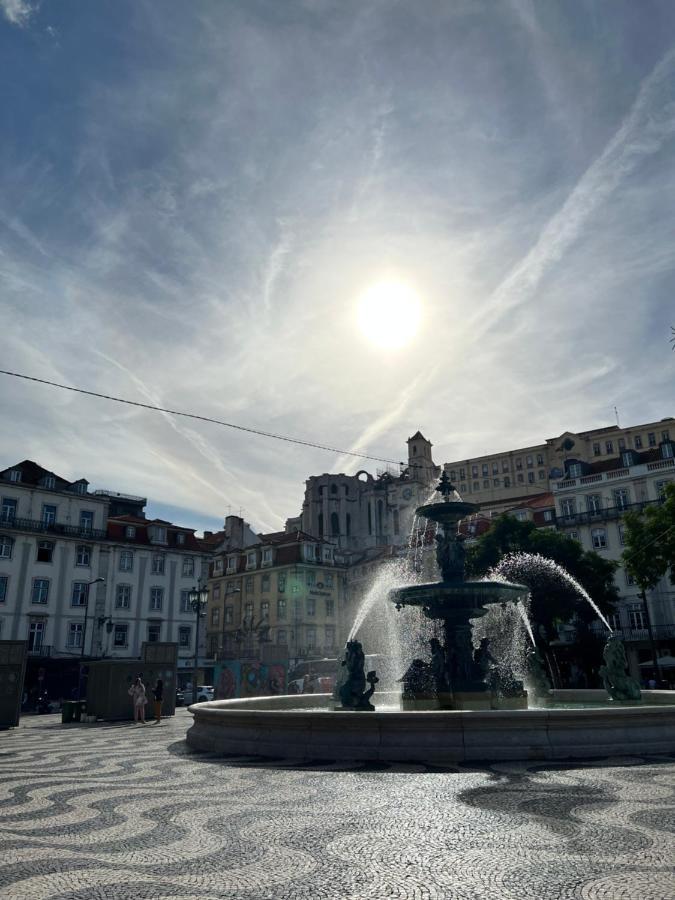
x=551 y=603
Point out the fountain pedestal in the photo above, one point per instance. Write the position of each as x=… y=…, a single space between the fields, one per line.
x=458 y=672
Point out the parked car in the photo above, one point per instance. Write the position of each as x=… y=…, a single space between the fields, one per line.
x=180 y=698
x=204 y=692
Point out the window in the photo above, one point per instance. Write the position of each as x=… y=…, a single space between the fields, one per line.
x=495 y=469
x=327 y=554
x=486 y=483
x=462 y=473
x=310 y=606
x=229 y=615
x=6 y=545
x=265 y=610
x=215 y=615
x=594 y=504
x=79 y=594
x=123 y=596
x=622 y=534
x=121 y=634
x=74 y=638
x=83 y=555
x=530 y=477
x=311 y=579
x=330 y=607
x=630 y=581
x=453 y=475
x=45 y=551
x=529 y=461
x=651 y=437
x=310 y=632
x=156 y=598
x=637 y=442
x=622 y=443
x=573 y=535
x=330 y=635
x=40 y=591
x=248 y=611
x=507 y=481
x=281 y=608
x=157 y=534
x=614 y=620
x=126 y=561
x=505 y=465
x=328 y=579
x=188 y=565
x=665 y=435
x=265 y=582
x=596 y=449
x=180 y=538
x=660 y=487
x=568 y=507
x=542 y=474
x=548 y=515
x=621 y=498
x=184 y=634
x=267 y=556
x=540 y=459
x=476 y=486
x=36 y=635
x=462 y=487
x=3 y=588
x=495 y=482
x=15 y=475
x=333 y=489
x=86 y=520
x=598 y=538
x=158 y=564
x=484 y=469
x=281 y=636
x=250 y=584
x=334 y=524
x=609 y=447
x=8 y=509
x=667 y=450
x=154 y=631
x=637 y=618
x=250 y=560
x=185 y=602
x=474 y=471
x=521 y=478
x=519 y=463
x=281 y=582
x=574 y=470
x=130 y=531
x=521 y=515
x=48 y=515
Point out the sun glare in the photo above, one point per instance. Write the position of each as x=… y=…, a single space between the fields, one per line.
x=389 y=314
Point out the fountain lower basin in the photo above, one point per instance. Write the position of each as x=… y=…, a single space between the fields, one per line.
x=291 y=727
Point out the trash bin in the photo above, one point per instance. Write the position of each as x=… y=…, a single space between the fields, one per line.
x=78 y=710
x=67 y=711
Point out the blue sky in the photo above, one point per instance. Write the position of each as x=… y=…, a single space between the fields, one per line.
x=194 y=195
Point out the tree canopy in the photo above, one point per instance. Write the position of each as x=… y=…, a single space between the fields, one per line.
x=552 y=602
x=649 y=537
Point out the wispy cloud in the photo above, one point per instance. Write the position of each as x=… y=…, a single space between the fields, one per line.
x=18 y=12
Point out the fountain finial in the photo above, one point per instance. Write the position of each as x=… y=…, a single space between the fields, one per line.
x=445 y=486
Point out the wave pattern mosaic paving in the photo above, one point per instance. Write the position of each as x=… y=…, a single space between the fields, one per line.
x=124 y=811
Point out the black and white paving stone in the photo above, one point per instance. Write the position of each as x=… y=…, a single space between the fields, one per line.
x=113 y=811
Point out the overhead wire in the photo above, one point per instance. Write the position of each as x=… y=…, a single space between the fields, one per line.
x=200 y=418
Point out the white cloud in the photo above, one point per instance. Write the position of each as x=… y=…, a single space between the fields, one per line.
x=18 y=12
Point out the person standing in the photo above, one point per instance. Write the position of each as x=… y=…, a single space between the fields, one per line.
x=157 y=693
x=139 y=699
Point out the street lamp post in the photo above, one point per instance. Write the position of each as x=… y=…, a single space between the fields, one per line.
x=198 y=598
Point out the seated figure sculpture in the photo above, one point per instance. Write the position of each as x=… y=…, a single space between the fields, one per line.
x=618 y=684
x=353 y=693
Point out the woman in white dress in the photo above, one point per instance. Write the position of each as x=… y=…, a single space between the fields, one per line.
x=137 y=694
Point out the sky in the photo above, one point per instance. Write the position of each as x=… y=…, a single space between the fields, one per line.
x=194 y=196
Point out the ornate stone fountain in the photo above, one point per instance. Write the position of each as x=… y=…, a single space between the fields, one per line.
x=457 y=673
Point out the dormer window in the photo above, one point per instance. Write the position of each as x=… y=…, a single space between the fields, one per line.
x=180 y=538
x=157 y=534
x=50 y=482
x=267 y=556
x=15 y=475
x=130 y=531
x=251 y=559
x=309 y=552
x=231 y=564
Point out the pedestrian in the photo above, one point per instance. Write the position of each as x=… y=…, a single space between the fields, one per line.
x=137 y=694
x=157 y=694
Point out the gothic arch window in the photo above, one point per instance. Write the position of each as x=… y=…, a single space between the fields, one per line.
x=320 y=524
x=333 y=489
x=334 y=524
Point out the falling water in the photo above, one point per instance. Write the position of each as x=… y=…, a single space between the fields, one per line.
x=532 y=570
x=522 y=611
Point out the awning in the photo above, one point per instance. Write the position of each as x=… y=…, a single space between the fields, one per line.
x=666 y=662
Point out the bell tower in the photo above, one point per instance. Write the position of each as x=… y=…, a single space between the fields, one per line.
x=420 y=461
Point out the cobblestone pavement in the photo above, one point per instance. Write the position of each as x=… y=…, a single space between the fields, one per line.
x=127 y=811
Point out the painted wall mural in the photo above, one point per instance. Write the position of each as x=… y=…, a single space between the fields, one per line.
x=235 y=679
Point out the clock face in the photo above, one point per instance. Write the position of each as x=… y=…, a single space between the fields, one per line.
x=407 y=493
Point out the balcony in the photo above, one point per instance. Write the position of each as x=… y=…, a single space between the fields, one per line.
x=661 y=633
x=42 y=651
x=602 y=515
x=56 y=528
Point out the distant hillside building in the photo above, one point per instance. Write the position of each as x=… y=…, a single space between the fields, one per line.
x=357 y=512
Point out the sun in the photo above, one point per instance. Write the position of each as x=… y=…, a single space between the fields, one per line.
x=389 y=314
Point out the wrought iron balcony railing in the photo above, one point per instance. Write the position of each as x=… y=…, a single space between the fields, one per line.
x=56 y=528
